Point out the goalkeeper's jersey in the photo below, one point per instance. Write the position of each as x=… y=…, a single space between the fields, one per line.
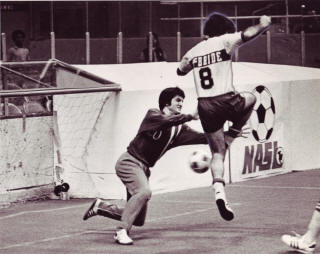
x=211 y=64
x=158 y=133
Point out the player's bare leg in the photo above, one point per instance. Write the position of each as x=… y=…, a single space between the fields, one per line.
x=236 y=129
x=218 y=149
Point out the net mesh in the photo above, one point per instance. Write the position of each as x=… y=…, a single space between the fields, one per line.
x=77 y=115
x=27 y=127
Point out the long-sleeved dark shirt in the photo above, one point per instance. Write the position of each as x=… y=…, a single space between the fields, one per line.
x=158 y=133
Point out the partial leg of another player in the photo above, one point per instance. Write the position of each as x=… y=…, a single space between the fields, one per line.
x=307 y=242
x=218 y=148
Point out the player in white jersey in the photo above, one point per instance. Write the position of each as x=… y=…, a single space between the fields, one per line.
x=218 y=101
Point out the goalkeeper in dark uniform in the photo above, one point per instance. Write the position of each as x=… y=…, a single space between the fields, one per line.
x=159 y=131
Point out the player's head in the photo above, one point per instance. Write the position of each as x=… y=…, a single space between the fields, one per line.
x=218 y=24
x=171 y=98
x=18 y=37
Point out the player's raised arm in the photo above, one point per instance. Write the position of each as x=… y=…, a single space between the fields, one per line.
x=253 y=31
x=184 y=67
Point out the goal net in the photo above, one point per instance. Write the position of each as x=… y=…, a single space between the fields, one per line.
x=42 y=103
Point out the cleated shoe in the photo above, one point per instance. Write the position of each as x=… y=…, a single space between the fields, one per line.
x=223 y=206
x=122 y=237
x=93 y=209
x=296 y=242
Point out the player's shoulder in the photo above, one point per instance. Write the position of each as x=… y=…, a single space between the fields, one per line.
x=230 y=36
x=153 y=111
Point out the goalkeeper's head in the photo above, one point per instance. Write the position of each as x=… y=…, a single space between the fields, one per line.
x=172 y=98
x=218 y=24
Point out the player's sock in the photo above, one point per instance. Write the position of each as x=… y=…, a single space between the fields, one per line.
x=217 y=186
x=109 y=210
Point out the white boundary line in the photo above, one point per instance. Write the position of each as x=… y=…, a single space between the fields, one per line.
x=168 y=201
x=180 y=214
x=46 y=240
x=199 y=202
x=151 y=220
x=86 y=205
x=274 y=187
x=40 y=211
x=23 y=244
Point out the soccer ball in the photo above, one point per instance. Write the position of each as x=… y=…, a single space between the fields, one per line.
x=199 y=161
x=263 y=114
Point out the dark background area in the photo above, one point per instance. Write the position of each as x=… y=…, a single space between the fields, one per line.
x=70 y=20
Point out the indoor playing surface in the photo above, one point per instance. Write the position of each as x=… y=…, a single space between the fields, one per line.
x=184 y=222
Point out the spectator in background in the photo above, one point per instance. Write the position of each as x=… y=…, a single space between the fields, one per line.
x=18 y=52
x=158 y=55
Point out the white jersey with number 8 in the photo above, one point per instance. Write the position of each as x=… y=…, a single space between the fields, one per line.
x=211 y=64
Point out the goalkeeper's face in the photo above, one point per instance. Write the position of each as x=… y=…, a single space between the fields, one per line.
x=176 y=105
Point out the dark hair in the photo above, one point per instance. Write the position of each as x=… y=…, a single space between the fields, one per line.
x=15 y=33
x=155 y=37
x=167 y=94
x=218 y=24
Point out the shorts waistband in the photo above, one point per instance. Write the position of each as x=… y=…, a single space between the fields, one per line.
x=217 y=96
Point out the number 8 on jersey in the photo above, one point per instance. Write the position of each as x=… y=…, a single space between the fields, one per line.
x=205 y=78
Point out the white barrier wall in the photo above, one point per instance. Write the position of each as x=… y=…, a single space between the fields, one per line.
x=304 y=124
x=142 y=83
x=26 y=155
x=293 y=144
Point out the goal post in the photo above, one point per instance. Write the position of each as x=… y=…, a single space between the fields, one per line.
x=28 y=154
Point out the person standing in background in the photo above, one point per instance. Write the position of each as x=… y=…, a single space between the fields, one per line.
x=158 y=55
x=18 y=52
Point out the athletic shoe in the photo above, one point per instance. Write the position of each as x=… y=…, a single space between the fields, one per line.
x=93 y=209
x=223 y=206
x=298 y=244
x=122 y=237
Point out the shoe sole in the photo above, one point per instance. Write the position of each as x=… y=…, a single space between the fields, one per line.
x=85 y=216
x=117 y=241
x=224 y=212
x=303 y=251
x=300 y=251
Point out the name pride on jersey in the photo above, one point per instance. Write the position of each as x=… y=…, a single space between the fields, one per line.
x=211 y=58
